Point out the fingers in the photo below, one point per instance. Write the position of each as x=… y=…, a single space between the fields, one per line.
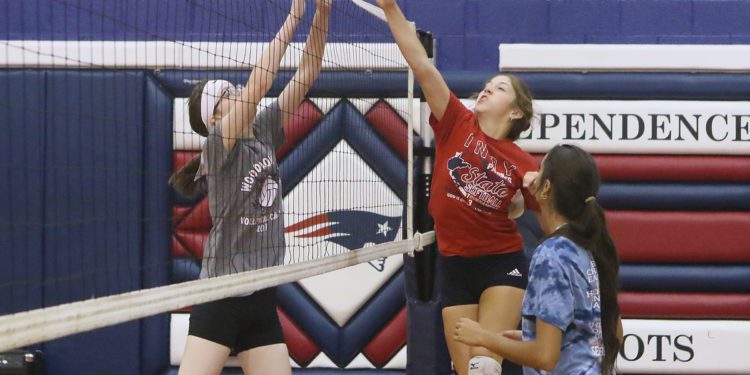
x=385 y=3
x=324 y=4
x=529 y=178
x=463 y=331
x=298 y=8
x=458 y=328
x=457 y=332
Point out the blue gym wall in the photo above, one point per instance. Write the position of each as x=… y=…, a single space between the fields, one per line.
x=467 y=32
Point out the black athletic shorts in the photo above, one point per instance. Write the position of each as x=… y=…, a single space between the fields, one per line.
x=239 y=323
x=463 y=279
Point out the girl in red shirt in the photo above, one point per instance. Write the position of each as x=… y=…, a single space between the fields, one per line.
x=478 y=173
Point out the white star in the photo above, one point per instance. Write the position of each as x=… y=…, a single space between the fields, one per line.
x=384 y=229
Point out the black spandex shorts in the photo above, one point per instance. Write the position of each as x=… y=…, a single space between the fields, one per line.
x=463 y=279
x=239 y=323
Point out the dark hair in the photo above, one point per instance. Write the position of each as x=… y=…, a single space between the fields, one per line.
x=525 y=103
x=575 y=179
x=184 y=179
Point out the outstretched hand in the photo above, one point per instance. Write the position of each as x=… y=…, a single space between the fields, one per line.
x=324 y=4
x=386 y=3
x=298 y=9
x=468 y=332
x=529 y=179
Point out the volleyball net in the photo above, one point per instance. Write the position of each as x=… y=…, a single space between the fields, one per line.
x=93 y=235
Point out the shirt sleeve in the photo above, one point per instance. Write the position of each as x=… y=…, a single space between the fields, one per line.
x=548 y=295
x=213 y=153
x=268 y=127
x=529 y=165
x=454 y=112
x=529 y=201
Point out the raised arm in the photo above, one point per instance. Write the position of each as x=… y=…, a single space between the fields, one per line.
x=433 y=85
x=238 y=123
x=310 y=64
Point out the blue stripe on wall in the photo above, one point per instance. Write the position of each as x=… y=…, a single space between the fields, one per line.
x=467 y=31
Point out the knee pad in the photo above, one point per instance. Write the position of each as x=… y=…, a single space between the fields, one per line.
x=482 y=365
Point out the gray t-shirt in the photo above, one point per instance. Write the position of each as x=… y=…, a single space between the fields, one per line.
x=244 y=197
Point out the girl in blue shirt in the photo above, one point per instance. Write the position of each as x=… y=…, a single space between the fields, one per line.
x=571 y=320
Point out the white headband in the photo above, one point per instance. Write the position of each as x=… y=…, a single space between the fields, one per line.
x=211 y=95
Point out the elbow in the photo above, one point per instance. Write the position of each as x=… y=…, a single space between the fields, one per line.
x=262 y=79
x=515 y=210
x=256 y=89
x=422 y=66
x=264 y=84
x=548 y=361
x=548 y=367
x=307 y=74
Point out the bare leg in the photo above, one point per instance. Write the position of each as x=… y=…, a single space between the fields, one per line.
x=265 y=360
x=499 y=310
x=203 y=357
x=459 y=352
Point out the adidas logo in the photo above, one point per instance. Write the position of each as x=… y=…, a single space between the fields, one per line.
x=515 y=272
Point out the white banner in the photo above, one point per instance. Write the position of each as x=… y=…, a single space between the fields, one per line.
x=641 y=127
x=624 y=57
x=685 y=347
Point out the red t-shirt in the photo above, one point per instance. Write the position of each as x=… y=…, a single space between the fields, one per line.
x=474 y=179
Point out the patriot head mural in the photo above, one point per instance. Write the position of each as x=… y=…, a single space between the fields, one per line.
x=344 y=186
x=326 y=214
x=352 y=229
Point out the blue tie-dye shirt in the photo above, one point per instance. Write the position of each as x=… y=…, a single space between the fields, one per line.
x=563 y=291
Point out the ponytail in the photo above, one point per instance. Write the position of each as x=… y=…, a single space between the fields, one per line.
x=184 y=179
x=589 y=230
x=575 y=183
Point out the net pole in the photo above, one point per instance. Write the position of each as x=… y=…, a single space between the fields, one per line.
x=425 y=261
x=378 y=13
x=410 y=151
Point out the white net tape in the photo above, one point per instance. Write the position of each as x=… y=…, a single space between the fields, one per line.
x=46 y=324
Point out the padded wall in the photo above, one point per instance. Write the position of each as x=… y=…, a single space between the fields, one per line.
x=154 y=349
x=679 y=220
x=88 y=152
x=21 y=232
x=678 y=211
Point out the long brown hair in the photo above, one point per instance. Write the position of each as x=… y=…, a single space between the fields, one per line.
x=575 y=179
x=184 y=179
x=525 y=103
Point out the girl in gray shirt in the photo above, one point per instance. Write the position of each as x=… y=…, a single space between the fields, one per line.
x=239 y=170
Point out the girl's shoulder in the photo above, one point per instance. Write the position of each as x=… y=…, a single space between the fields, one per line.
x=557 y=247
